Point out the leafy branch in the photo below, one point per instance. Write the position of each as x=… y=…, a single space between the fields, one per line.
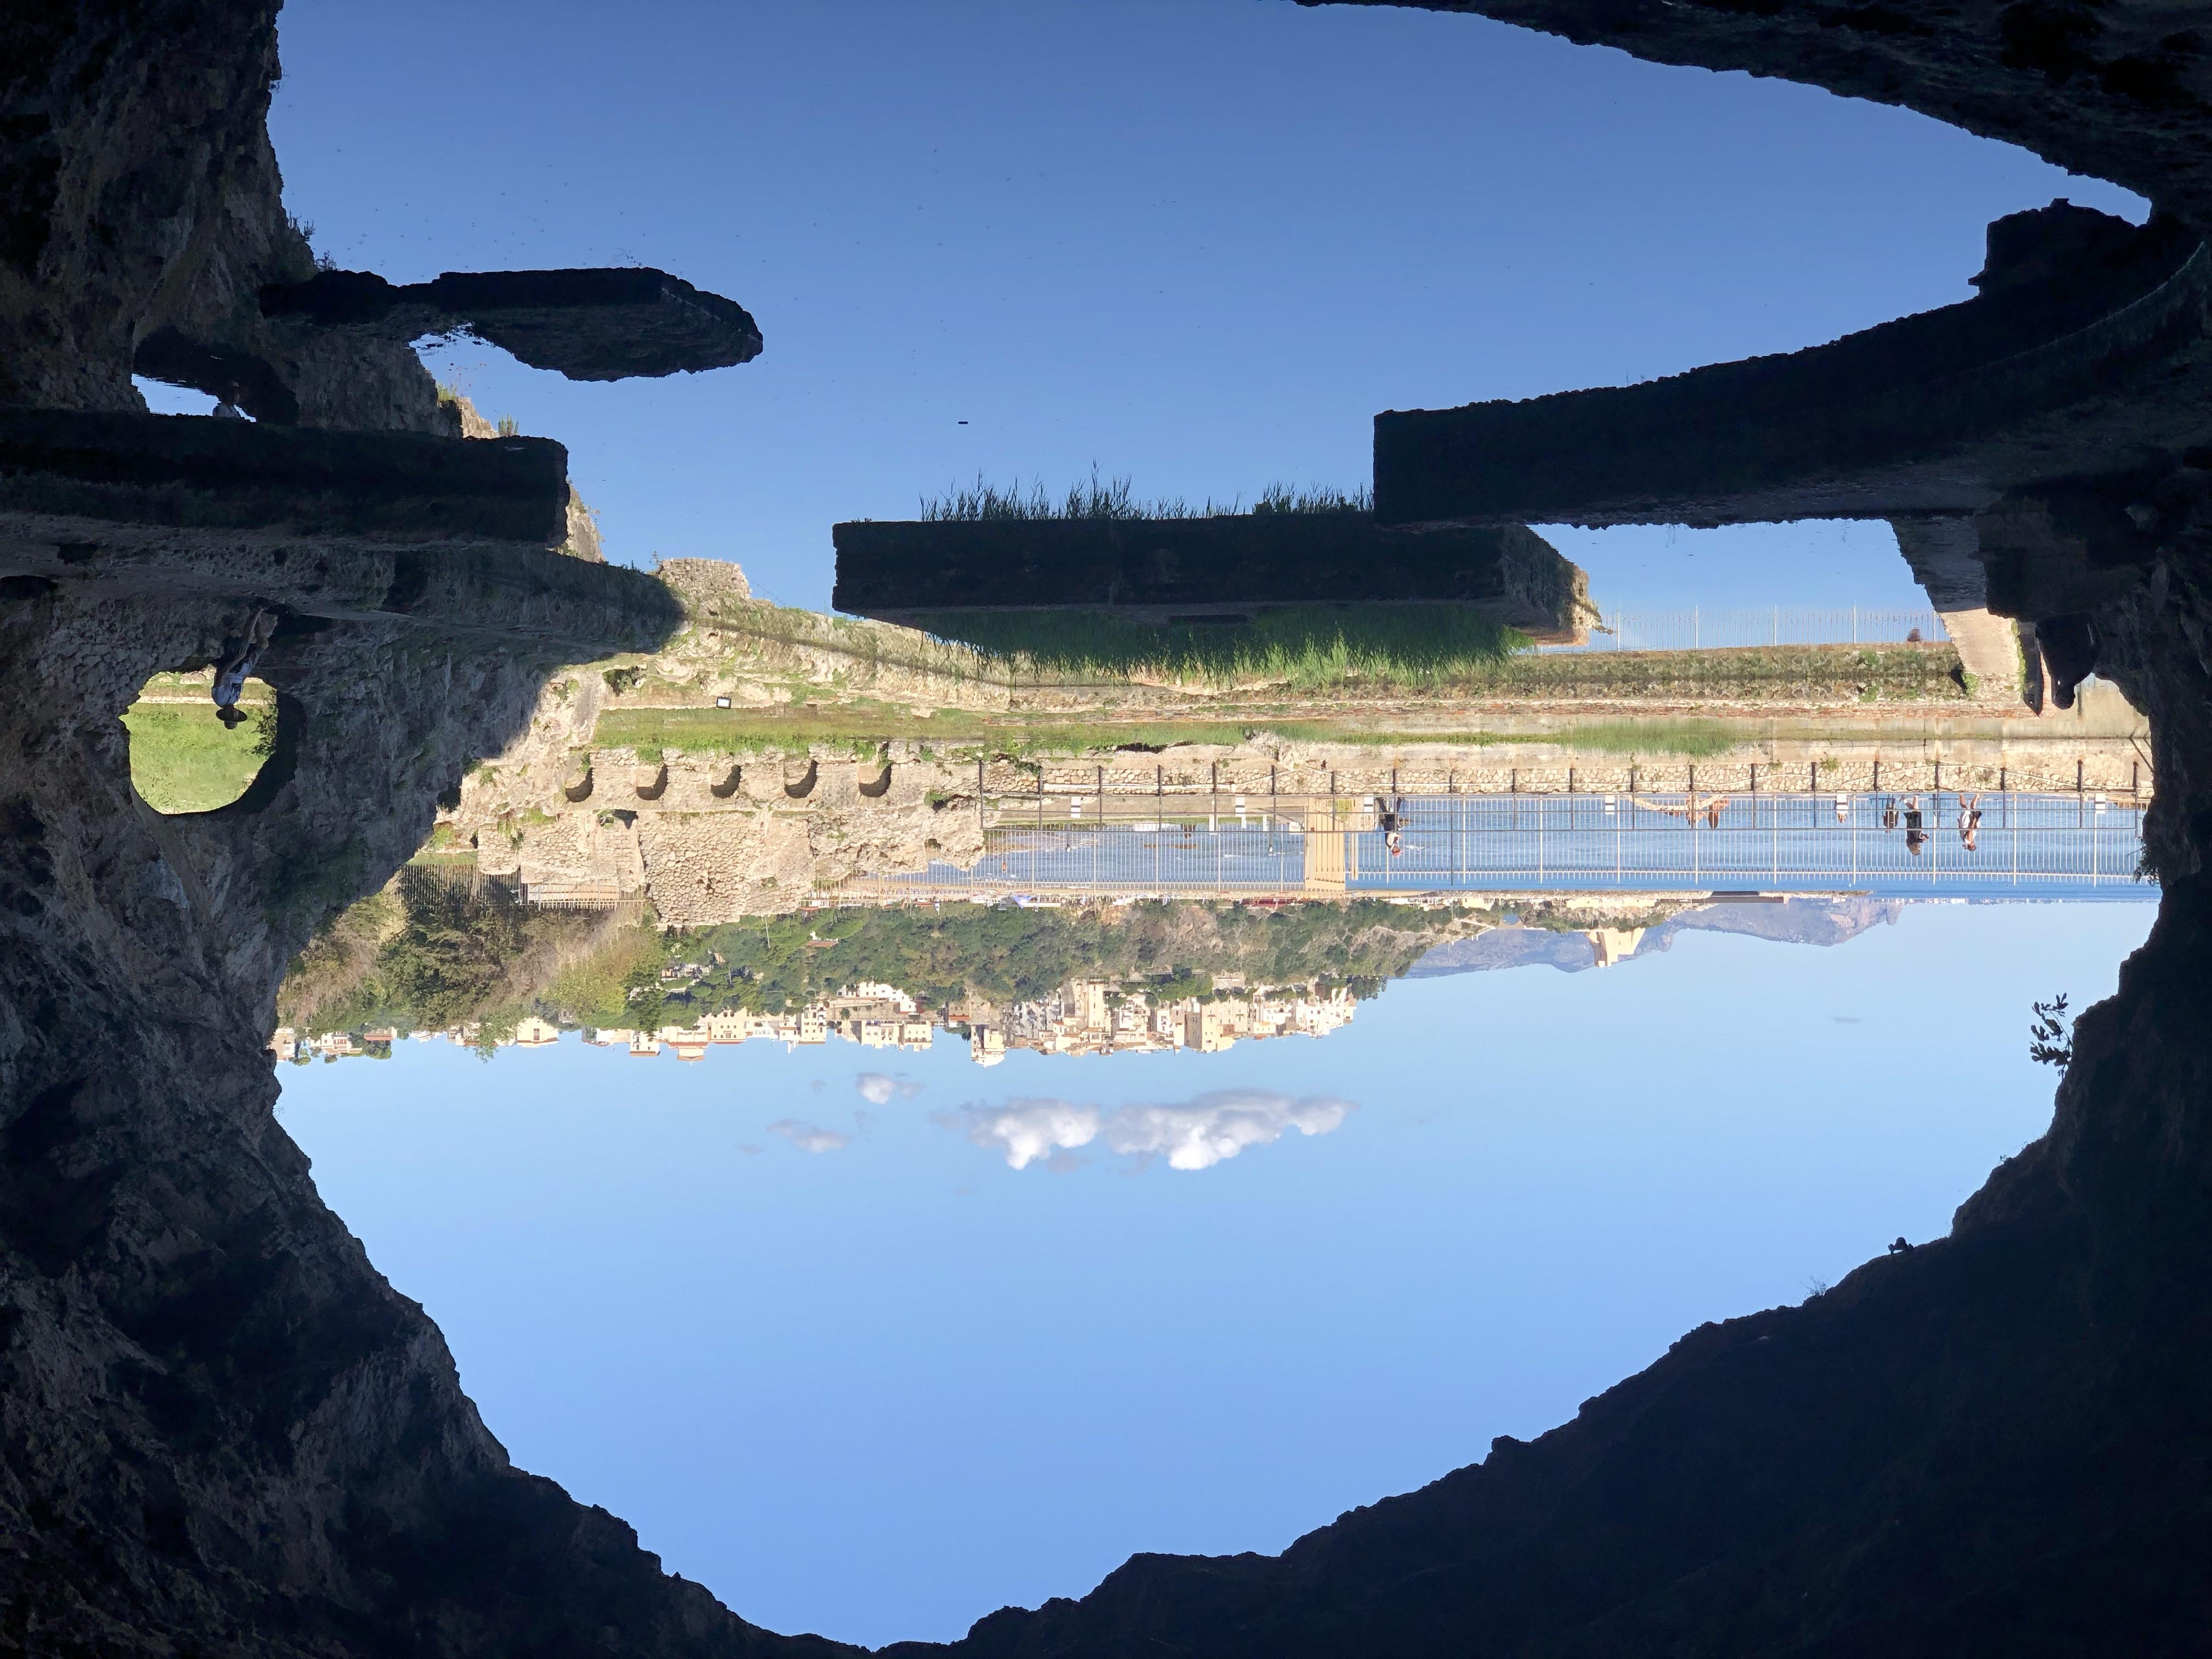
x=2051 y=1036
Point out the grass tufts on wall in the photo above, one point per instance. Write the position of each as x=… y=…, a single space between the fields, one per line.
x=1114 y=498
x=1307 y=647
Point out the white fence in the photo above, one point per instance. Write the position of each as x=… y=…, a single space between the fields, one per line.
x=1699 y=629
x=2050 y=844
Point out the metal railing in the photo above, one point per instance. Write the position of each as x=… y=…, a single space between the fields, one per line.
x=2054 y=846
x=1700 y=630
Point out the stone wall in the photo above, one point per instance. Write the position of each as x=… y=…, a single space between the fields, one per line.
x=1223 y=565
x=711 y=837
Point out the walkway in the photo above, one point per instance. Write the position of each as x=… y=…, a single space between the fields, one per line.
x=2046 y=846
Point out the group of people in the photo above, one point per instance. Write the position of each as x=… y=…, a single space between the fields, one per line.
x=1909 y=815
x=1916 y=833
x=1390 y=816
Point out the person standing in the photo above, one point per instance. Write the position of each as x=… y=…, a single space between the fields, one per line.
x=1390 y=819
x=237 y=665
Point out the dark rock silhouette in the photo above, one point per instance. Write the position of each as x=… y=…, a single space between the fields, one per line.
x=159 y=110
x=2120 y=91
x=588 y=324
x=223 y=1429
x=222 y=1432
x=2037 y=446
x=89 y=479
x=2051 y=376
x=1221 y=569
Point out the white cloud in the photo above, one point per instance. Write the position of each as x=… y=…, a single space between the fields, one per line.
x=1195 y=1134
x=1198 y=1134
x=806 y=1136
x=879 y=1089
x=1027 y=1130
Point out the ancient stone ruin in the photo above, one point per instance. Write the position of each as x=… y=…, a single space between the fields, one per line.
x=225 y=1432
x=1226 y=567
x=2033 y=445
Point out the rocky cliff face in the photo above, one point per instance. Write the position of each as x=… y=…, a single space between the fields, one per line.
x=141 y=210
x=223 y=1429
x=2119 y=91
x=225 y=1433
x=220 y=1430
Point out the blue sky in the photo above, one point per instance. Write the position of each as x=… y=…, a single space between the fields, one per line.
x=880 y=1389
x=1199 y=242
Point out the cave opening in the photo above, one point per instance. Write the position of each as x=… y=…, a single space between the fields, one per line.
x=184 y=757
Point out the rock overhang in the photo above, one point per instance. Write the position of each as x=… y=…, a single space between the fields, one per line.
x=2057 y=375
x=606 y=323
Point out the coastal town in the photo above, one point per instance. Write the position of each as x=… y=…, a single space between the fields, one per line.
x=1085 y=1016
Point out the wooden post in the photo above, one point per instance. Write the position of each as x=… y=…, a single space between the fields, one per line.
x=1098 y=802
x=1513 y=783
x=1632 y=777
x=1877 y=773
x=1571 y=780
x=1754 y=777
x=2135 y=779
x=1812 y=777
x=2078 y=785
x=1939 y=777
x=1693 y=778
x=2004 y=773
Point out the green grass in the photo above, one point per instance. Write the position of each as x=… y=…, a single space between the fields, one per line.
x=1306 y=647
x=864 y=727
x=1693 y=739
x=1872 y=674
x=183 y=759
x=1113 y=498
